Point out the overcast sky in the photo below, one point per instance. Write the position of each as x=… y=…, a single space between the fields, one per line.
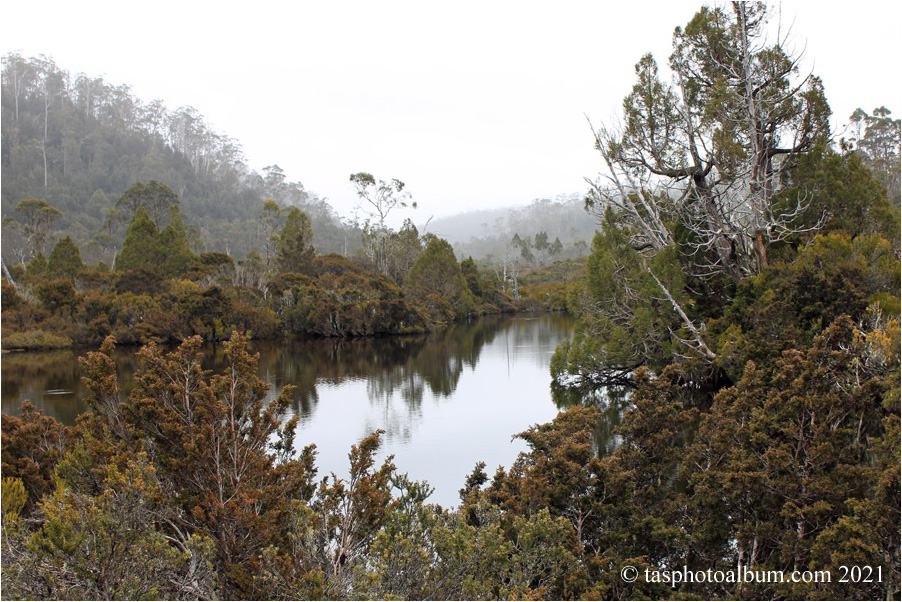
x=472 y=104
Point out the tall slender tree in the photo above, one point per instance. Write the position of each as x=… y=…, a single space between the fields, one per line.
x=39 y=217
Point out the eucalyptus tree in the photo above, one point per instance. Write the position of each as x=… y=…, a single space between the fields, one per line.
x=878 y=138
x=270 y=220
x=156 y=198
x=403 y=248
x=18 y=74
x=38 y=218
x=378 y=199
x=53 y=84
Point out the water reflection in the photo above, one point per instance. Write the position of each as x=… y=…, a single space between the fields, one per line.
x=612 y=402
x=390 y=366
x=445 y=400
x=49 y=379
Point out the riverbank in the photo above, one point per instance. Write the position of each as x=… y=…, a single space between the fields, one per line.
x=338 y=297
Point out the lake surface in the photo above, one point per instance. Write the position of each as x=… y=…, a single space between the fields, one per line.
x=445 y=401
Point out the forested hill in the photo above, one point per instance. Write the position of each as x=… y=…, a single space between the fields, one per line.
x=492 y=232
x=79 y=142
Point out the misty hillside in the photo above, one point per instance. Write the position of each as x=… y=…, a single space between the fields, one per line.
x=493 y=233
x=79 y=142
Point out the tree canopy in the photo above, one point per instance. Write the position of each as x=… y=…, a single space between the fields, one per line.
x=65 y=259
x=294 y=249
x=140 y=249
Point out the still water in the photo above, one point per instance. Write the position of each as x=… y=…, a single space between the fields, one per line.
x=445 y=401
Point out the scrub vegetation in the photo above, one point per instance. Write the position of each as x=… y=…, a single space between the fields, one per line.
x=742 y=285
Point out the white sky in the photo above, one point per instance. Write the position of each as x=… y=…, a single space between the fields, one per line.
x=472 y=104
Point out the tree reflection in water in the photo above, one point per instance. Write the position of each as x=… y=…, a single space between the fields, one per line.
x=612 y=402
x=445 y=400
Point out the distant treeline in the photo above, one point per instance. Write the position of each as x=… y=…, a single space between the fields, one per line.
x=80 y=142
x=159 y=289
x=544 y=231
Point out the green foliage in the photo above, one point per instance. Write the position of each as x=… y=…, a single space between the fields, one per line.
x=155 y=198
x=37 y=266
x=294 y=250
x=436 y=281
x=14 y=499
x=191 y=488
x=175 y=251
x=101 y=140
x=145 y=248
x=401 y=556
x=270 y=218
x=475 y=282
x=216 y=259
x=342 y=299
x=225 y=457
x=841 y=188
x=65 y=260
x=401 y=248
x=696 y=200
x=39 y=217
x=548 y=288
x=212 y=298
x=782 y=461
x=107 y=546
x=678 y=280
x=789 y=304
x=35 y=339
x=380 y=198
x=624 y=321
x=57 y=295
x=10 y=298
x=878 y=143
x=393 y=252
x=335 y=533
x=141 y=248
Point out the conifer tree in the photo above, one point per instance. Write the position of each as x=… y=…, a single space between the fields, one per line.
x=295 y=247
x=65 y=259
x=436 y=278
x=176 y=255
x=37 y=265
x=141 y=246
